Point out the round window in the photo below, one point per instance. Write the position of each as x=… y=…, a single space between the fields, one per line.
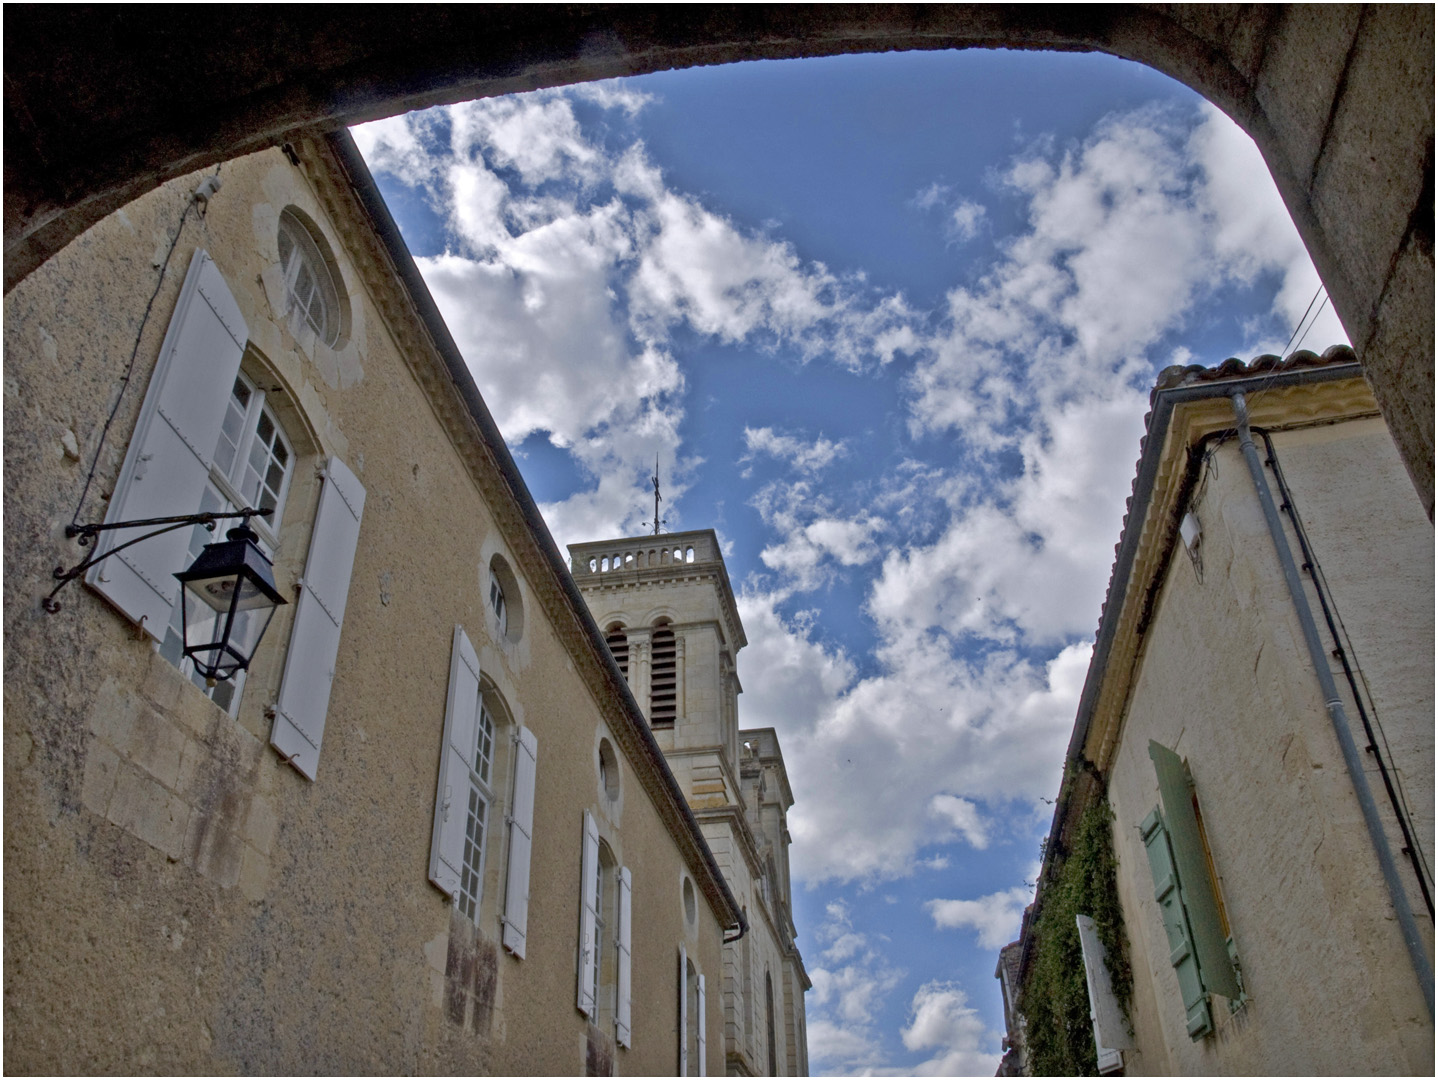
x=691 y=904
x=608 y=770
x=311 y=296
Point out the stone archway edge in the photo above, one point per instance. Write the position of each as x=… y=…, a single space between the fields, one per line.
x=104 y=103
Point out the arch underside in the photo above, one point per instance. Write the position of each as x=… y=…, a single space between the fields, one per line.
x=104 y=103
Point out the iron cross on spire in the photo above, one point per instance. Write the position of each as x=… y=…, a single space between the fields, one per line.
x=658 y=521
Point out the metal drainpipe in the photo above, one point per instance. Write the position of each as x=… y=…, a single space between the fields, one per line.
x=1336 y=712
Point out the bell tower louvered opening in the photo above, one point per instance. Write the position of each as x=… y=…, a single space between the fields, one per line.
x=618 y=642
x=663 y=677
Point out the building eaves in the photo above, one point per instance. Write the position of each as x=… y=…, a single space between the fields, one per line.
x=422 y=305
x=1174 y=386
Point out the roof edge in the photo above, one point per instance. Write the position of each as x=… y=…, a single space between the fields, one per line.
x=343 y=146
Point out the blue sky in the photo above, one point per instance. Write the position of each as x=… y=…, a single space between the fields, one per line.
x=890 y=323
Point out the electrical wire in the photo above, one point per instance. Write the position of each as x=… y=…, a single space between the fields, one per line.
x=1314 y=322
x=1304 y=316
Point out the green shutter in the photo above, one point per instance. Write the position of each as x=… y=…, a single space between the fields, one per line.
x=1175 y=923
x=1199 y=899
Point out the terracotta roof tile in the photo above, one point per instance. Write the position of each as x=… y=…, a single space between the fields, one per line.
x=1232 y=368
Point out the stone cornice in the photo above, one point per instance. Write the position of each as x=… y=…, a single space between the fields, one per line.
x=344 y=188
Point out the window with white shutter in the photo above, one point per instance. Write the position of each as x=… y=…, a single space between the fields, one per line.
x=168 y=462
x=252 y=465
x=683 y=1012
x=589 y=886
x=449 y=868
x=319 y=617
x=208 y=439
x=622 y=1024
x=699 y=1011
x=521 y=828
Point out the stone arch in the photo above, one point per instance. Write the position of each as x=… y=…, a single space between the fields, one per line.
x=101 y=106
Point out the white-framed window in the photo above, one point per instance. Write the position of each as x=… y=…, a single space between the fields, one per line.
x=496 y=603
x=470 y=795
x=481 y=798
x=252 y=465
x=505 y=599
x=196 y=391
x=692 y=1009
x=311 y=295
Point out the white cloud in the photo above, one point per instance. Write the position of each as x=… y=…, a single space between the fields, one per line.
x=807 y=457
x=1253 y=231
x=963 y=217
x=996 y=917
x=964 y=816
x=850 y=987
x=964 y=220
x=571 y=266
x=867 y=756
x=941 y=1019
x=812 y=539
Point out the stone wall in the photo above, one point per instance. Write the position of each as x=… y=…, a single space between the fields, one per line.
x=1339 y=98
x=177 y=898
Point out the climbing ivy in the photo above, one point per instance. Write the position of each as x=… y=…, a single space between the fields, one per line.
x=1054 y=1001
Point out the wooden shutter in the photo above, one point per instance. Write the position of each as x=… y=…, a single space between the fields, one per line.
x=588 y=914
x=304 y=697
x=683 y=1012
x=699 y=1004
x=621 y=1012
x=1110 y=1030
x=1175 y=924
x=451 y=799
x=1199 y=897
x=521 y=841
x=168 y=461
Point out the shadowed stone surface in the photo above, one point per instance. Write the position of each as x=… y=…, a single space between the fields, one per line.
x=103 y=104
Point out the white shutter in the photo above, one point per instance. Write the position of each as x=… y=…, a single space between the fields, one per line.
x=622 y=1019
x=588 y=914
x=168 y=460
x=521 y=841
x=315 y=639
x=1110 y=1030
x=703 y=1070
x=451 y=799
x=683 y=1012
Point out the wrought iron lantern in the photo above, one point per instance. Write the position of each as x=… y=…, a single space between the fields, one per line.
x=228 y=593
x=230 y=597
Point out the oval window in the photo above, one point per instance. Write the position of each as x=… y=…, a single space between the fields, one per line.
x=311 y=296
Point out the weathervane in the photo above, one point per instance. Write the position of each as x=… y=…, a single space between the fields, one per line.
x=658 y=521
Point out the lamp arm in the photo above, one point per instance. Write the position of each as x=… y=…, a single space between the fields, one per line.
x=167 y=524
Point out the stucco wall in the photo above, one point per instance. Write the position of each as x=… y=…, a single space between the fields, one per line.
x=1226 y=682
x=178 y=899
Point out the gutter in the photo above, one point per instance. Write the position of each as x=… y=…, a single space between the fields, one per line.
x=1337 y=714
x=362 y=184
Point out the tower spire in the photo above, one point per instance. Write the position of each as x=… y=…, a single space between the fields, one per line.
x=657 y=497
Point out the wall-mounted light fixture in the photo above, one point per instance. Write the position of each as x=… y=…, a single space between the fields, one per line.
x=229 y=592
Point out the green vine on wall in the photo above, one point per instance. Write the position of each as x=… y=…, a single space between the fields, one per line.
x=1054 y=1001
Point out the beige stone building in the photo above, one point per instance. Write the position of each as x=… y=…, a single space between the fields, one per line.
x=1264 y=734
x=429 y=830
x=667 y=610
